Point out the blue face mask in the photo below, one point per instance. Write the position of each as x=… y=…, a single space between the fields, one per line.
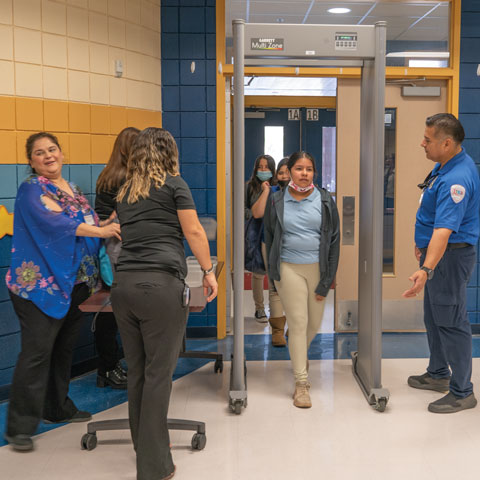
x=264 y=176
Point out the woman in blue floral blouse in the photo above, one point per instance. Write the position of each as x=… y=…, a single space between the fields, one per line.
x=53 y=270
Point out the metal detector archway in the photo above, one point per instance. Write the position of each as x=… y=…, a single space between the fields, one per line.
x=321 y=46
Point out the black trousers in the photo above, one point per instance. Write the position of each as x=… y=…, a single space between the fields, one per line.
x=42 y=374
x=106 y=342
x=151 y=317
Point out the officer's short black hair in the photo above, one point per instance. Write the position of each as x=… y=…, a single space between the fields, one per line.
x=448 y=124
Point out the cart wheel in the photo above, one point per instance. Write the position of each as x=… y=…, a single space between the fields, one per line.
x=237 y=407
x=218 y=367
x=89 y=441
x=199 y=440
x=381 y=404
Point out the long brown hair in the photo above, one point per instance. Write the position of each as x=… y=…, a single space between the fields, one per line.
x=113 y=175
x=154 y=155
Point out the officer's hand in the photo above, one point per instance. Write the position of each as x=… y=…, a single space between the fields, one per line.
x=419 y=278
x=418 y=253
x=319 y=298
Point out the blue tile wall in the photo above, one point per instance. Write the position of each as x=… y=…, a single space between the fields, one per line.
x=197 y=77
x=469 y=114
x=170 y=72
x=171 y=99
x=194 y=150
x=8 y=181
x=170 y=20
x=189 y=32
x=192 y=20
x=193 y=99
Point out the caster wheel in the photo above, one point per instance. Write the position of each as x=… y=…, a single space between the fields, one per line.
x=199 y=440
x=218 y=367
x=237 y=407
x=89 y=441
x=381 y=405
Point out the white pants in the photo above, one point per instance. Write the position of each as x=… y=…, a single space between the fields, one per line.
x=304 y=313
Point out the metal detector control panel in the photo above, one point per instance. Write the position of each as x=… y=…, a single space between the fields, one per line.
x=345 y=41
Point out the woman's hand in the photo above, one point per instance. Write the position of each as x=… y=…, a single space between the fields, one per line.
x=110 y=219
x=319 y=298
x=210 y=282
x=265 y=186
x=110 y=230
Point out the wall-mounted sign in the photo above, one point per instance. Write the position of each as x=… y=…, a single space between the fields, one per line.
x=294 y=114
x=312 y=114
x=266 y=43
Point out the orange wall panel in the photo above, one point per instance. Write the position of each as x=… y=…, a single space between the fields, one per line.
x=100 y=119
x=29 y=114
x=118 y=120
x=7 y=116
x=21 y=139
x=101 y=148
x=79 y=117
x=80 y=148
x=55 y=116
x=8 y=141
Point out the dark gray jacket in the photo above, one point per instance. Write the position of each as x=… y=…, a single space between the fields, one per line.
x=329 y=244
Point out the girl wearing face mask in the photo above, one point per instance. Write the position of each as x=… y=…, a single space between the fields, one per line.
x=283 y=175
x=302 y=240
x=256 y=194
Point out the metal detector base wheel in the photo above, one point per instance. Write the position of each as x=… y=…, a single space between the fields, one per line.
x=238 y=398
x=376 y=397
x=237 y=401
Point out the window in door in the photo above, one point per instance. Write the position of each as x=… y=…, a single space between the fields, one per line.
x=274 y=142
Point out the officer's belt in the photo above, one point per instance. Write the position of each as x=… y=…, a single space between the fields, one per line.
x=450 y=246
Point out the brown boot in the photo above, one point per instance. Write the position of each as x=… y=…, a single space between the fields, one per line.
x=301 y=397
x=278 y=328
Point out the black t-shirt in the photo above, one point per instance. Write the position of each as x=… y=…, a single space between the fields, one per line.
x=105 y=203
x=152 y=238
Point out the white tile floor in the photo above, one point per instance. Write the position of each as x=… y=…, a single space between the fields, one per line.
x=341 y=437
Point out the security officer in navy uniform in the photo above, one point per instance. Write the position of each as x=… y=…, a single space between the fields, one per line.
x=446 y=230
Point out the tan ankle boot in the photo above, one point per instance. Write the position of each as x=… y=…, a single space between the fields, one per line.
x=301 y=397
x=278 y=328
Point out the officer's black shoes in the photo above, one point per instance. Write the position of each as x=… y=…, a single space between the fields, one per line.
x=426 y=382
x=78 y=416
x=451 y=404
x=115 y=378
x=21 y=442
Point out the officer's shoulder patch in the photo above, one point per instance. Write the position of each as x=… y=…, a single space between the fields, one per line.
x=457 y=192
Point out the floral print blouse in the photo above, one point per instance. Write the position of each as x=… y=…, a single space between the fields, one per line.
x=48 y=259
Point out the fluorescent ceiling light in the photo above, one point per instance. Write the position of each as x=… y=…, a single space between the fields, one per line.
x=339 y=10
x=419 y=54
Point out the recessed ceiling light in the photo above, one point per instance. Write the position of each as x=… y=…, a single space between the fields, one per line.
x=339 y=10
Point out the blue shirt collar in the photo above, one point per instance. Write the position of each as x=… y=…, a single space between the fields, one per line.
x=450 y=164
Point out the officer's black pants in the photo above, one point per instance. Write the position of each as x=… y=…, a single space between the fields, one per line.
x=42 y=374
x=151 y=318
x=445 y=314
